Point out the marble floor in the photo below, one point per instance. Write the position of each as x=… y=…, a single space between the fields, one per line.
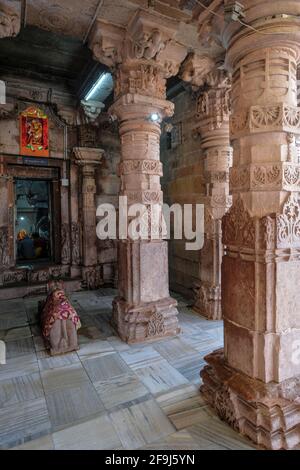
x=108 y=395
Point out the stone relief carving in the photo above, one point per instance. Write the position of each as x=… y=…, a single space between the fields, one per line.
x=91 y=111
x=288 y=223
x=265 y=175
x=268 y=224
x=75 y=238
x=65 y=244
x=262 y=118
x=4 y=256
x=156 y=325
x=195 y=69
x=10 y=19
x=14 y=277
x=238 y=227
x=143 y=79
x=145 y=197
x=225 y=408
x=92 y=278
x=152 y=167
x=148 y=44
x=214 y=102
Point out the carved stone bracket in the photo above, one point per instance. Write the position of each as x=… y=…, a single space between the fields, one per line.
x=195 y=69
x=141 y=56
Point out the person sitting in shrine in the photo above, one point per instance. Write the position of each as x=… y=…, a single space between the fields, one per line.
x=25 y=246
x=40 y=246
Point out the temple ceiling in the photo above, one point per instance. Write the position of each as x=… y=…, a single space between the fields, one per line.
x=53 y=40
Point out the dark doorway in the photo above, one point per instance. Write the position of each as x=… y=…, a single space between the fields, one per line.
x=33 y=226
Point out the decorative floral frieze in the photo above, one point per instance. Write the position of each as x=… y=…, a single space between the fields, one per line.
x=267 y=176
x=144 y=197
x=276 y=117
x=151 y=167
x=156 y=325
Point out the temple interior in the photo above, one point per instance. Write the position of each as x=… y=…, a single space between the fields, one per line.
x=149 y=224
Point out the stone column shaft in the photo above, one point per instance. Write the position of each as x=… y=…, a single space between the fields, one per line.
x=254 y=383
x=141 y=56
x=213 y=118
x=88 y=159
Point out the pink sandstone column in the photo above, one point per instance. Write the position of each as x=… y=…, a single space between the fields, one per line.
x=141 y=56
x=88 y=159
x=255 y=383
x=213 y=126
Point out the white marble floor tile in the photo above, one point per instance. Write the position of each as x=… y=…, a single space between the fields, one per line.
x=94 y=348
x=19 y=389
x=68 y=406
x=65 y=377
x=23 y=422
x=160 y=376
x=121 y=391
x=47 y=362
x=105 y=367
x=95 y=434
x=141 y=424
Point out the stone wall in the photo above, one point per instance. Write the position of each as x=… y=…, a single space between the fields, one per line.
x=183 y=183
x=65 y=135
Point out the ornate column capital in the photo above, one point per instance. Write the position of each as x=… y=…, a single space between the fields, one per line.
x=213 y=103
x=147 y=42
x=10 y=18
x=88 y=156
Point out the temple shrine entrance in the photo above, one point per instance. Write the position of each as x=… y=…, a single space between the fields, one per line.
x=33 y=221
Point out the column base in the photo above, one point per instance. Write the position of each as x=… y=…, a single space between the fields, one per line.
x=146 y=322
x=268 y=414
x=208 y=301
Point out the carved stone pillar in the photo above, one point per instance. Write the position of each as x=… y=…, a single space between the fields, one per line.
x=143 y=57
x=255 y=383
x=88 y=159
x=213 y=116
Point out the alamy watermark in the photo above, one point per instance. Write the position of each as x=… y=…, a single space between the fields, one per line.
x=152 y=221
